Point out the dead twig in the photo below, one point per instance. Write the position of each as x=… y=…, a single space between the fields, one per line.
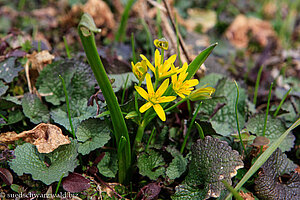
x=181 y=42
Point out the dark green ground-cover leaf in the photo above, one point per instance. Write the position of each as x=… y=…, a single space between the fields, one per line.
x=92 y=134
x=29 y=161
x=3 y=88
x=212 y=161
x=185 y=191
x=120 y=79
x=14 y=117
x=274 y=128
x=177 y=166
x=78 y=78
x=108 y=166
x=9 y=69
x=269 y=185
x=224 y=120
x=79 y=112
x=34 y=109
x=151 y=164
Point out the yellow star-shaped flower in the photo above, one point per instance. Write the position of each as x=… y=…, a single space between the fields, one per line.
x=139 y=69
x=155 y=98
x=202 y=93
x=162 y=70
x=180 y=85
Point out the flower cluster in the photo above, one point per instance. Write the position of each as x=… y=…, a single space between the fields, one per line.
x=163 y=70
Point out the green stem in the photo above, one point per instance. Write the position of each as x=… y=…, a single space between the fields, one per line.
x=158 y=21
x=236 y=115
x=177 y=41
x=124 y=90
x=67 y=48
x=59 y=182
x=85 y=29
x=190 y=128
x=122 y=28
x=175 y=105
x=257 y=85
x=133 y=49
x=150 y=138
x=200 y=131
x=267 y=111
x=5 y=119
x=232 y=190
x=281 y=102
x=68 y=105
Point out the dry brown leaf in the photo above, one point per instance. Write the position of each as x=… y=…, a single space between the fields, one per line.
x=247 y=196
x=207 y=19
x=40 y=59
x=46 y=137
x=101 y=14
x=238 y=31
x=47 y=16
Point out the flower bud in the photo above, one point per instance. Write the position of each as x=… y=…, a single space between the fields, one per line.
x=161 y=43
x=140 y=70
x=201 y=93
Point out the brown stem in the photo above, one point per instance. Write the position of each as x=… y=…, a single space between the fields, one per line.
x=181 y=42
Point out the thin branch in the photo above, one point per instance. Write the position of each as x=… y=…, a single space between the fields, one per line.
x=181 y=42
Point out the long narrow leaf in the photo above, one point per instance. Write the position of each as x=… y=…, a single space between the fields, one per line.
x=199 y=60
x=264 y=157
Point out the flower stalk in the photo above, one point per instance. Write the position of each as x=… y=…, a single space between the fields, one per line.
x=86 y=28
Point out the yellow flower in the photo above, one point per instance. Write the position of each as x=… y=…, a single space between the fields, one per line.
x=161 y=43
x=139 y=70
x=180 y=85
x=202 y=93
x=162 y=70
x=155 y=98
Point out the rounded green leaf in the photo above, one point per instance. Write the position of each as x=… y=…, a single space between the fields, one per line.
x=47 y=168
x=92 y=134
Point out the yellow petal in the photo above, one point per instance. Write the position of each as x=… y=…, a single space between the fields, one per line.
x=165 y=99
x=163 y=87
x=157 y=58
x=148 y=63
x=142 y=92
x=145 y=107
x=149 y=85
x=160 y=112
x=192 y=82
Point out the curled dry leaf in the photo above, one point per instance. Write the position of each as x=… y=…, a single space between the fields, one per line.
x=247 y=195
x=40 y=59
x=46 y=137
x=260 y=141
x=238 y=31
x=6 y=176
x=75 y=183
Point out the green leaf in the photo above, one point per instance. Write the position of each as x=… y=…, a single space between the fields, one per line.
x=187 y=192
x=268 y=184
x=34 y=109
x=3 y=88
x=78 y=77
x=9 y=69
x=120 y=80
x=14 y=117
x=151 y=164
x=92 y=134
x=210 y=80
x=274 y=128
x=108 y=166
x=199 y=60
x=178 y=165
x=224 y=121
x=79 y=112
x=212 y=161
x=29 y=161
